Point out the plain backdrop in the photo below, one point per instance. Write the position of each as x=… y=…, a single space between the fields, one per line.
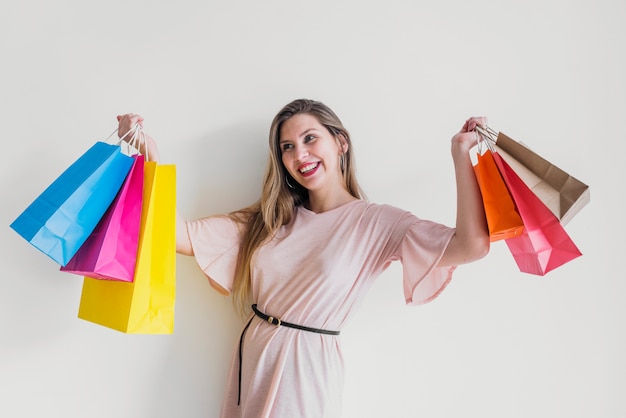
x=403 y=76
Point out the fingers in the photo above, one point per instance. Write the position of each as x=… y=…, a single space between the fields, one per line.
x=468 y=136
x=127 y=122
x=131 y=118
x=474 y=121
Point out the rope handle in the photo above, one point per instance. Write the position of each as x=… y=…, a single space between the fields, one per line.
x=487 y=136
x=137 y=139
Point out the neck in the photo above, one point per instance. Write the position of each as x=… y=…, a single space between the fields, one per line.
x=319 y=202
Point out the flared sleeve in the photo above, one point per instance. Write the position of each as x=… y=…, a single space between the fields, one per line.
x=420 y=250
x=215 y=241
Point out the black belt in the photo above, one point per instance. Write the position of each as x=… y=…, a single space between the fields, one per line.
x=278 y=323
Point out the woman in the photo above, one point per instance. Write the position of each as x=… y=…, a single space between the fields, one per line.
x=308 y=251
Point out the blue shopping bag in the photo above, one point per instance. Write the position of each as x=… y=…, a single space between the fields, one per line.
x=59 y=220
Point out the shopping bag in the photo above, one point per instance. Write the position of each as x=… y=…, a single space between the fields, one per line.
x=564 y=194
x=146 y=305
x=61 y=218
x=110 y=252
x=503 y=219
x=544 y=244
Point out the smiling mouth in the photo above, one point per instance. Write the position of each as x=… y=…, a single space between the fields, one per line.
x=308 y=168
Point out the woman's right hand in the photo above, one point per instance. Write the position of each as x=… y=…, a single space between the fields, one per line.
x=126 y=123
x=146 y=144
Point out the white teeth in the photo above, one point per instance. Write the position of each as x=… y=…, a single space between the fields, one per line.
x=308 y=168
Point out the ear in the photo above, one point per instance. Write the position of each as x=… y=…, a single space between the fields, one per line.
x=343 y=144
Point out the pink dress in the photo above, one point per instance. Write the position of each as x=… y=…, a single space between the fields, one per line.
x=315 y=272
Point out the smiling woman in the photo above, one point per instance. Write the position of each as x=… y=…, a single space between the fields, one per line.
x=308 y=251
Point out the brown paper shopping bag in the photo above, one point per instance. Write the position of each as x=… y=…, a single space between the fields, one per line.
x=561 y=192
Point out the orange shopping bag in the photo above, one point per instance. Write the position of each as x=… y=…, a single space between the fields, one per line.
x=503 y=219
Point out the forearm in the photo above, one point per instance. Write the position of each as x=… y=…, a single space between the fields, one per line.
x=183 y=243
x=471 y=225
x=471 y=239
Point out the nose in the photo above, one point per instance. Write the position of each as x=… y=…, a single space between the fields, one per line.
x=301 y=153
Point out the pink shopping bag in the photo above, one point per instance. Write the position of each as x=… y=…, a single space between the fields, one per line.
x=110 y=252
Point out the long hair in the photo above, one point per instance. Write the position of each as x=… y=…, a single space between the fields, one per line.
x=260 y=221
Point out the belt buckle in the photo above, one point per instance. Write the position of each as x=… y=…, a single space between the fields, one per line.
x=270 y=319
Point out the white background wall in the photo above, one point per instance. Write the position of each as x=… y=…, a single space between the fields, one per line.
x=403 y=75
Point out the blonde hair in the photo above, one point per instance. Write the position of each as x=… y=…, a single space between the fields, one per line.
x=278 y=202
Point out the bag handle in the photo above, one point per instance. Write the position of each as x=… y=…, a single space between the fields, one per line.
x=487 y=136
x=132 y=130
x=143 y=141
x=137 y=139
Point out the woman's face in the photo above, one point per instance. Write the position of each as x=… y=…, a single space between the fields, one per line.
x=310 y=153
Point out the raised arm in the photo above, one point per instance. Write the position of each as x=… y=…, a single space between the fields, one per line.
x=471 y=240
x=147 y=146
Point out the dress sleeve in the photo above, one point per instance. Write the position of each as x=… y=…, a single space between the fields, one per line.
x=215 y=242
x=421 y=249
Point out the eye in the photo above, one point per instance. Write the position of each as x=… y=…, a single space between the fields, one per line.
x=309 y=138
x=286 y=146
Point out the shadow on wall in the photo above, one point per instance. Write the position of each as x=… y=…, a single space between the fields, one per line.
x=225 y=171
x=207 y=329
x=222 y=172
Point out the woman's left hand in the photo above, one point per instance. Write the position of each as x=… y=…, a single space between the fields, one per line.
x=467 y=137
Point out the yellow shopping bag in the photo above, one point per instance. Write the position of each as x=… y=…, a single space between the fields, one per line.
x=146 y=305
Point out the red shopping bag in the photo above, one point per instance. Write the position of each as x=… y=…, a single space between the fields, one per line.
x=544 y=245
x=110 y=252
